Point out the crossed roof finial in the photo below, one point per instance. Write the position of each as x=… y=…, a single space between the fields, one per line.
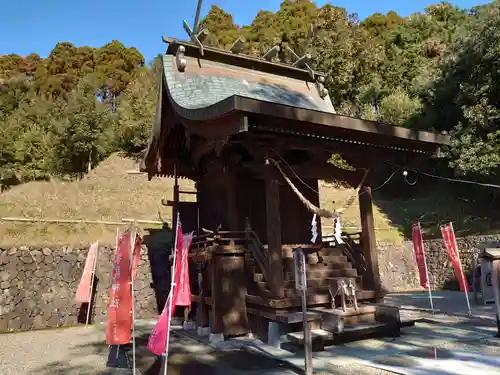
x=196 y=36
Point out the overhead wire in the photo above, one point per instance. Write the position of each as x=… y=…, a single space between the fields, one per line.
x=458 y=180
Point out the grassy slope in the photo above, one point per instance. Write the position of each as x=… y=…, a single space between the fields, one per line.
x=110 y=193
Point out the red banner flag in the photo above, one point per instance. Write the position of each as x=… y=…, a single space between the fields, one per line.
x=83 y=291
x=118 y=330
x=418 y=249
x=182 y=273
x=450 y=244
x=179 y=296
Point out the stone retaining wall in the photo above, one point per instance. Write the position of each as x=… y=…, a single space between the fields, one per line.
x=38 y=286
x=399 y=272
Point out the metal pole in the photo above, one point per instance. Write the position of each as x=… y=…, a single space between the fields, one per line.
x=133 y=235
x=92 y=285
x=426 y=272
x=466 y=286
x=116 y=249
x=307 y=335
x=495 y=276
x=301 y=285
x=171 y=295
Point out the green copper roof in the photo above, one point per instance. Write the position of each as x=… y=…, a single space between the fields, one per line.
x=205 y=83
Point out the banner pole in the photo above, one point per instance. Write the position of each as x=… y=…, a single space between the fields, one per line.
x=172 y=285
x=116 y=249
x=133 y=235
x=426 y=270
x=462 y=275
x=92 y=285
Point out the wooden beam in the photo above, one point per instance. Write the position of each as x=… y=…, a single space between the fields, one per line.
x=207 y=300
x=312 y=171
x=274 y=253
x=368 y=237
x=357 y=154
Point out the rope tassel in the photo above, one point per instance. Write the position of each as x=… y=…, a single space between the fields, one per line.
x=314 y=229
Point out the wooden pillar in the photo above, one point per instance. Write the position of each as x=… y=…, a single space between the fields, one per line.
x=215 y=319
x=175 y=205
x=201 y=311
x=274 y=252
x=368 y=237
x=231 y=196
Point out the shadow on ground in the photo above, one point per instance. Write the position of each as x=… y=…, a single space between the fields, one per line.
x=187 y=357
x=159 y=244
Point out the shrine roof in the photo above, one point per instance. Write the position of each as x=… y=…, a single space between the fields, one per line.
x=211 y=86
x=205 y=81
x=214 y=93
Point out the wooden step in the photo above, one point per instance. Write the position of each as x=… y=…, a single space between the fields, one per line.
x=266 y=299
x=318 y=339
x=335 y=320
x=288 y=252
x=324 y=273
x=339 y=250
x=331 y=261
x=320 y=293
x=284 y=317
x=311 y=283
x=319 y=273
x=321 y=338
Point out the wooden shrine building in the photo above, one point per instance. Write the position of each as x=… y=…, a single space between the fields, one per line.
x=256 y=137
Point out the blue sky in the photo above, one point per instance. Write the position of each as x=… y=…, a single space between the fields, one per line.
x=37 y=25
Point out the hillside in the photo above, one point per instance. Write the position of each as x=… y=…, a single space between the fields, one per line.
x=110 y=193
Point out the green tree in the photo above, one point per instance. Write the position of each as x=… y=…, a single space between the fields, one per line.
x=136 y=111
x=464 y=100
x=114 y=69
x=397 y=108
x=84 y=135
x=222 y=32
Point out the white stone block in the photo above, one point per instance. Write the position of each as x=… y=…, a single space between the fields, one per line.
x=274 y=334
x=215 y=338
x=203 y=331
x=189 y=326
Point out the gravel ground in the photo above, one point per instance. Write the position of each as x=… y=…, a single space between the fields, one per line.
x=79 y=351
x=82 y=351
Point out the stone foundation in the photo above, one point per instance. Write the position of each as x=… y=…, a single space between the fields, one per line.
x=38 y=286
